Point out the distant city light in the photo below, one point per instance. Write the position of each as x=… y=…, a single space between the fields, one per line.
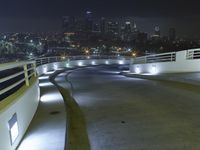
x=88 y=12
x=87 y=51
x=133 y=54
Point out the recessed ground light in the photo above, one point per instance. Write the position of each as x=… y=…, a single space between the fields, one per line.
x=13 y=128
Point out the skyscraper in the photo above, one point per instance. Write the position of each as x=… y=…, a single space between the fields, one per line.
x=88 y=21
x=172 y=34
x=112 y=27
x=103 y=25
x=157 y=31
x=68 y=24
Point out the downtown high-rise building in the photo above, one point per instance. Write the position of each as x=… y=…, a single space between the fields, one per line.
x=68 y=23
x=172 y=34
x=157 y=31
x=88 y=21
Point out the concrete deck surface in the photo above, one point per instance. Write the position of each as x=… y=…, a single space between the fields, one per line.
x=136 y=114
x=121 y=113
x=48 y=127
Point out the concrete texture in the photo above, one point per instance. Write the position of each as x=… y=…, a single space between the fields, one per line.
x=136 y=114
x=48 y=128
x=190 y=77
x=77 y=137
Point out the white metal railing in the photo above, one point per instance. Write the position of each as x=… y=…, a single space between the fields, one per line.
x=28 y=69
x=14 y=74
x=164 y=57
x=193 y=54
x=46 y=60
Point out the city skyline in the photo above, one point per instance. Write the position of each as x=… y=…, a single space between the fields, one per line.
x=38 y=16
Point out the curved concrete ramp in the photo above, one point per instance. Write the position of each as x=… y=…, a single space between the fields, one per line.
x=48 y=128
x=136 y=114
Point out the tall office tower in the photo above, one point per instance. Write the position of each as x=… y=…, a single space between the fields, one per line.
x=172 y=34
x=112 y=27
x=88 y=21
x=129 y=24
x=128 y=27
x=103 y=25
x=68 y=24
x=96 y=26
x=157 y=31
x=135 y=27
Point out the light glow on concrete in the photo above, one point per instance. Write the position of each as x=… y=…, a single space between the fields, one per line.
x=45 y=69
x=55 y=66
x=43 y=77
x=121 y=62
x=137 y=70
x=49 y=72
x=49 y=97
x=93 y=63
x=106 y=62
x=80 y=63
x=154 y=70
x=47 y=84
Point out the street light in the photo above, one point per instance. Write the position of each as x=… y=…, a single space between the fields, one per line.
x=134 y=54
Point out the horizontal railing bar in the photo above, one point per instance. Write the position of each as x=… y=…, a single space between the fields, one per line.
x=14 y=65
x=32 y=68
x=30 y=75
x=11 y=76
x=11 y=86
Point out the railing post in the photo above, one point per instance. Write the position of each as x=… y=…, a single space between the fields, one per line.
x=171 y=57
x=34 y=69
x=26 y=75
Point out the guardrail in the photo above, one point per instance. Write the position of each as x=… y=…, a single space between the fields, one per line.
x=193 y=54
x=164 y=57
x=181 y=61
x=46 y=60
x=15 y=75
x=20 y=94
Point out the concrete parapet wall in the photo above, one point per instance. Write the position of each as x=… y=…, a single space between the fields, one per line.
x=181 y=64
x=78 y=63
x=24 y=106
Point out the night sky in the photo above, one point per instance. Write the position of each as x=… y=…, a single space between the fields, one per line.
x=45 y=15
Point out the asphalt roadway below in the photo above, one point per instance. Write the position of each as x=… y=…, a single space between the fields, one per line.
x=123 y=113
